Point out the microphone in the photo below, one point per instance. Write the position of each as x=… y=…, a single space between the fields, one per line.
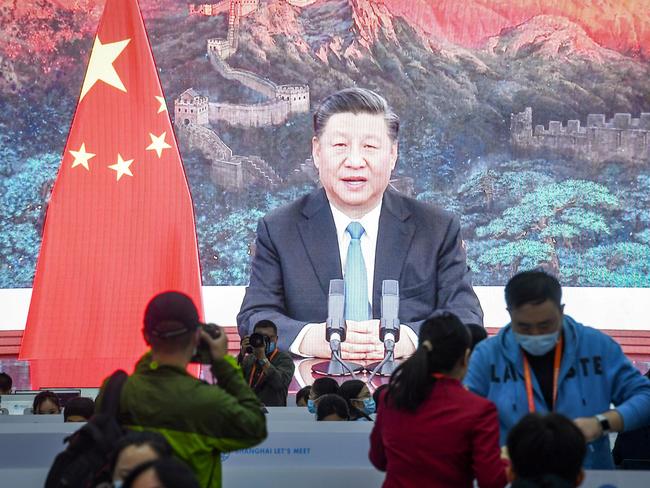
x=389 y=328
x=335 y=333
x=389 y=324
x=335 y=329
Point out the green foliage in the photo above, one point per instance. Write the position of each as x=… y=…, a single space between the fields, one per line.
x=523 y=253
x=22 y=205
x=624 y=264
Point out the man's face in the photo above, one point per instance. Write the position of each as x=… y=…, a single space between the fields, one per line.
x=355 y=157
x=536 y=319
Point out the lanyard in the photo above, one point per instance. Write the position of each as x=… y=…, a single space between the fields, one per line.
x=250 y=378
x=556 y=375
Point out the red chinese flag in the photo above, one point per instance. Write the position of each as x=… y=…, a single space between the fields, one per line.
x=120 y=225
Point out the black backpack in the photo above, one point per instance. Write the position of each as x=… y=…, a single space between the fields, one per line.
x=85 y=459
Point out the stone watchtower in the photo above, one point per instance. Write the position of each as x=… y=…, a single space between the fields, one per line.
x=296 y=95
x=521 y=127
x=191 y=108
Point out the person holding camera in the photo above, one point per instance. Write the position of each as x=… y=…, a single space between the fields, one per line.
x=267 y=369
x=199 y=420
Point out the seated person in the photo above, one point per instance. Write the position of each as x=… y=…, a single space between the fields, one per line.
x=546 y=451
x=162 y=473
x=78 y=409
x=321 y=386
x=303 y=396
x=134 y=449
x=357 y=395
x=6 y=383
x=430 y=431
x=332 y=408
x=46 y=403
x=267 y=369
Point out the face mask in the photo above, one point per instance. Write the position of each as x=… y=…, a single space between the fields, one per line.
x=369 y=405
x=117 y=484
x=310 y=406
x=270 y=347
x=537 y=345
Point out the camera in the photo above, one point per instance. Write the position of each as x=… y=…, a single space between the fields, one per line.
x=203 y=355
x=257 y=340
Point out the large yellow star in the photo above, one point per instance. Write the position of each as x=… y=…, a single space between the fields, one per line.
x=158 y=144
x=163 y=105
x=100 y=66
x=121 y=167
x=81 y=157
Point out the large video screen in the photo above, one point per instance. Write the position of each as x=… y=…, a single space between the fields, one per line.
x=528 y=119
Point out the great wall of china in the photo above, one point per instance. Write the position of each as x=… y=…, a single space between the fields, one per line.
x=622 y=138
x=194 y=113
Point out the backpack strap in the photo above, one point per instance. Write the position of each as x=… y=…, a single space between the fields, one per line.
x=112 y=392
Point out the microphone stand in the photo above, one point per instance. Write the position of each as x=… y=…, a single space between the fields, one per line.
x=389 y=330
x=335 y=332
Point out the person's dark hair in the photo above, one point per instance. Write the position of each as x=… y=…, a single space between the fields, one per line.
x=80 y=406
x=155 y=441
x=303 y=394
x=6 y=383
x=348 y=391
x=356 y=101
x=377 y=394
x=532 y=287
x=546 y=445
x=324 y=386
x=478 y=334
x=44 y=396
x=171 y=472
x=332 y=403
x=266 y=324
x=443 y=341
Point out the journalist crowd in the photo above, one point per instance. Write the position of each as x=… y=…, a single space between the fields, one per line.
x=532 y=406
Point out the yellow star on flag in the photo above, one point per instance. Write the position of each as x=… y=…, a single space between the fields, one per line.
x=163 y=105
x=158 y=144
x=81 y=157
x=121 y=167
x=100 y=66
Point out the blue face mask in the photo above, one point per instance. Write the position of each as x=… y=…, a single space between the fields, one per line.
x=310 y=406
x=369 y=406
x=270 y=347
x=537 y=345
x=117 y=484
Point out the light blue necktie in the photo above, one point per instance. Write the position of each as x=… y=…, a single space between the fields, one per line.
x=357 y=306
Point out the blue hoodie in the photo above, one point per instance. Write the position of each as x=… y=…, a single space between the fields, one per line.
x=594 y=373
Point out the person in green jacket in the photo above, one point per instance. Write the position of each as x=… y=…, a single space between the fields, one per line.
x=199 y=420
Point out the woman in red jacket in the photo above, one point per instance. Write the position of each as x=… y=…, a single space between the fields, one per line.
x=430 y=431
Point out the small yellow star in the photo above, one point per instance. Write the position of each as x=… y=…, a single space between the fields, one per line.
x=158 y=143
x=163 y=105
x=121 y=167
x=100 y=66
x=81 y=157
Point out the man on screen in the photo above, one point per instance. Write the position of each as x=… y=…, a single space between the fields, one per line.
x=355 y=229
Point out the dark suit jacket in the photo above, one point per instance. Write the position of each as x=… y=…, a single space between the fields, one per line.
x=297 y=255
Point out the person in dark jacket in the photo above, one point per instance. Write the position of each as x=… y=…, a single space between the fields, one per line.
x=267 y=370
x=430 y=431
x=546 y=451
